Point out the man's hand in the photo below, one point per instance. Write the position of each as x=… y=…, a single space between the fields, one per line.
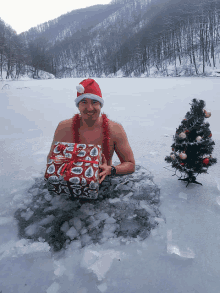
x=106 y=170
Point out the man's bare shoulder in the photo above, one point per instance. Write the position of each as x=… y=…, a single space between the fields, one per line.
x=63 y=130
x=116 y=128
x=65 y=123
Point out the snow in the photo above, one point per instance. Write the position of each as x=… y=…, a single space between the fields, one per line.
x=180 y=255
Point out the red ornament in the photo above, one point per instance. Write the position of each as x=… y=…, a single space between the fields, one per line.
x=186 y=131
x=182 y=164
x=172 y=149
x=210 y=135
x=205 y=161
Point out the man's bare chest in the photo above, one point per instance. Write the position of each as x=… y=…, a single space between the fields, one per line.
x=91 y=136
x=95 y=137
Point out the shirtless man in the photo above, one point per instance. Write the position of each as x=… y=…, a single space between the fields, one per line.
x=89 y=101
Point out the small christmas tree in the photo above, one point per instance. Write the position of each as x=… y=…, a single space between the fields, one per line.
x=193 y=146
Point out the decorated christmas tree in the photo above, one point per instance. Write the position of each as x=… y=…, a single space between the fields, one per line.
x=193 y=145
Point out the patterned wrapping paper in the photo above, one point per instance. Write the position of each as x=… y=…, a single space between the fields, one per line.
x=73 y=169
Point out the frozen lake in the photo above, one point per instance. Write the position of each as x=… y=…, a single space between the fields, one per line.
x=181 y=255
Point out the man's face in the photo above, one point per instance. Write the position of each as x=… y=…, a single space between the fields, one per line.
x=89 y=109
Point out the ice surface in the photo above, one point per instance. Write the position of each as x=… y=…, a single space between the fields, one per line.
x=218 y=182
x=102 y=287
x=186 y=262
x=5 y=220
x=182 y=195
x=59 y=268
x=54 y=288
x=175 y=249
x=99 y=262
x=21 y=247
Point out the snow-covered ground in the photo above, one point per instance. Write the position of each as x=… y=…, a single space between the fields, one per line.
x=180 y=255
x=41 y=75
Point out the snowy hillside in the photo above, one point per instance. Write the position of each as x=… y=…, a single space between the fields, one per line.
x=185 y=69
x=41 y=75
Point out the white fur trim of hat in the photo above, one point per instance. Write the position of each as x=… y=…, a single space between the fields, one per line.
x=89 y=96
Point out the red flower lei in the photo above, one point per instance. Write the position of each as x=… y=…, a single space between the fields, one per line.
x=106 y=135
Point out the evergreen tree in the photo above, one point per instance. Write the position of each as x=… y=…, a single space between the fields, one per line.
x=193 y=146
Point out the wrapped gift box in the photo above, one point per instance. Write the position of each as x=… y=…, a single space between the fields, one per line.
x=77 y=167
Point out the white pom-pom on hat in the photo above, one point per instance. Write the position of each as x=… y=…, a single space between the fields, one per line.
x=80 y=89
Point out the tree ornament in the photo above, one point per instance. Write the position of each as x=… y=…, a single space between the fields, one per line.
x=183 y=156
x=182 y=135
x=173 y=157
x=172 y=149
x=182 y=164
x=206 y=156
x=210 y=135
x=186 y=131
x=198 y=138
x=80 y=89
x=207 y=114
x=206 y=161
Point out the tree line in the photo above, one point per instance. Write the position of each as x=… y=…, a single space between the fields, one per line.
x=19 y=57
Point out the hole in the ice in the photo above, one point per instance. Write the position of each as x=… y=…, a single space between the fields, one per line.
x=60 y=221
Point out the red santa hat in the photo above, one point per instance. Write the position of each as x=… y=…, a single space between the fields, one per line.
x=89 y=88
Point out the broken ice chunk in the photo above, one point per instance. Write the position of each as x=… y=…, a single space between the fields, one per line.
x=110 y=221
x=101 y=216
x=114 y=200
x=76 y=222
x=146 y=207
x=31 y=230
x=47 y=220
x=27 y=215
x=85 y=239
x=65 y=227
x=72 y=233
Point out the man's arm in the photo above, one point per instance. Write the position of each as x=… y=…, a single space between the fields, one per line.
x=58 y=136
x=52 y=144
x=123 y=150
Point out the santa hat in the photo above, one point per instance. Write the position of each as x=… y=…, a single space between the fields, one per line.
x=89 y=88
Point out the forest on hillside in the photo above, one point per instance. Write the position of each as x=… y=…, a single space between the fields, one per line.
x=130 y=36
